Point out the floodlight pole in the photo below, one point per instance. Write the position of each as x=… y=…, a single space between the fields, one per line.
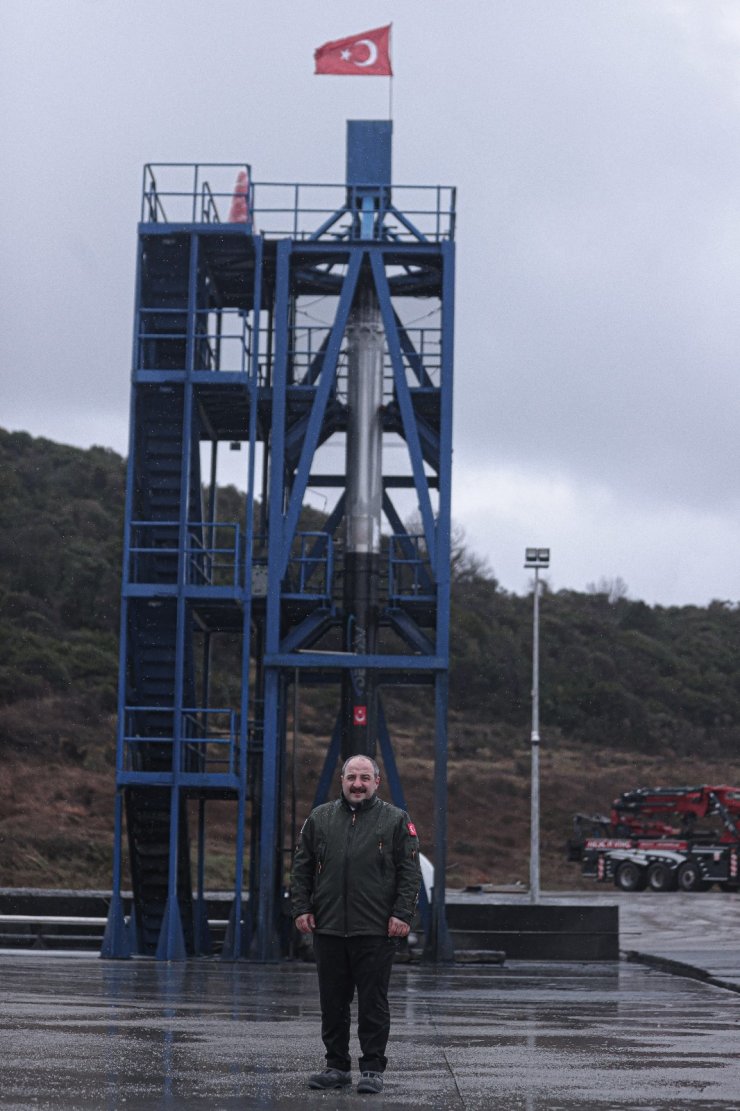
x=536 y=558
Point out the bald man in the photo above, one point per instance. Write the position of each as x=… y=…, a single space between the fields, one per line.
x=355 y=886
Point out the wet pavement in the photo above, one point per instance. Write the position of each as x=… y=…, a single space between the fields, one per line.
x=687 y=933
x=80 y=1033
x=690 y=934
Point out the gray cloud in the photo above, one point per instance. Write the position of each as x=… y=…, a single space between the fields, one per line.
x=595 y=147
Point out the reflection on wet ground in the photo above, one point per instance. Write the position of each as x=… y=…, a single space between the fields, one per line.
x=82 y=1033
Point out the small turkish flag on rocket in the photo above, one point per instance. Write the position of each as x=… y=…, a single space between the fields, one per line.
x=365 y=55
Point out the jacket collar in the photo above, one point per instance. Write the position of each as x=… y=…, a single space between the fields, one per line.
x=366 y=804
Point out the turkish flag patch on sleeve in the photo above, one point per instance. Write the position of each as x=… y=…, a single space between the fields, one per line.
x=412 y=829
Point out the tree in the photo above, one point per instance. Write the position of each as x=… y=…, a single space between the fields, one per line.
x=614 y=589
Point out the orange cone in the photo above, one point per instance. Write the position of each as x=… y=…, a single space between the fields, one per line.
x=239 y=212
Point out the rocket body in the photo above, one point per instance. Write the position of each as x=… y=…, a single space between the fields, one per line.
x=363 y=507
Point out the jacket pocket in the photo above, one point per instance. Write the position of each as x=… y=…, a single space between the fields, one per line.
x=386 y=869
x=320 y=862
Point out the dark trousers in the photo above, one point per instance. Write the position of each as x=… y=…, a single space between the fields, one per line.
x=343 y=964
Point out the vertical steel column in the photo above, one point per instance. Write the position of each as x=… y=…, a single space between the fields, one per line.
x=267 y=937
x=200 y=910
x=117 y=943
x=117 y=937
x=440 y=946
x=237 y=940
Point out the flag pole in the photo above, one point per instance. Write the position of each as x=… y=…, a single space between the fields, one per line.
x=390 y=75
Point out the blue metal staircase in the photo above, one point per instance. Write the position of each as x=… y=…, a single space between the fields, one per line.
x=194 y=380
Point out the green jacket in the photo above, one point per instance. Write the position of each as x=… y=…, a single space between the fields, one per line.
x=354 y=869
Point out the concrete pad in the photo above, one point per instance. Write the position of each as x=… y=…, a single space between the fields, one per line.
x=82 y=1033
x=687 y=933
x=699 y=930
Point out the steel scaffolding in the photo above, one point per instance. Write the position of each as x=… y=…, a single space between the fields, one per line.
x=225 y=351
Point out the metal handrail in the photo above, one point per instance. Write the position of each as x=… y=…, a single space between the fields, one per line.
x=202 y=561
x=292 y=209
x=306 y=348
x=415 y=568
x=194 y=743
x=199 y=190
x=208 y=206
x=212 y=346
x=305 y=563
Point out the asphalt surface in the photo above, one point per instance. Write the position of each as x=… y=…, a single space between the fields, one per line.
x=695 y=935
x=78 y=1032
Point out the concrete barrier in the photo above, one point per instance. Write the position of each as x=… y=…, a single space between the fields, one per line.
x=480 y=929
x=539 y=931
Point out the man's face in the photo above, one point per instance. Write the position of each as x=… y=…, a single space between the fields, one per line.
x=359 y=781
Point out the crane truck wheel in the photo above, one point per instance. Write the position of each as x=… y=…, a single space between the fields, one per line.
x=630 y=876
x=661 y=878
x=689 y=877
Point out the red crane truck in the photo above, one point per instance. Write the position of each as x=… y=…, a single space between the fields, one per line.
x=663 y=838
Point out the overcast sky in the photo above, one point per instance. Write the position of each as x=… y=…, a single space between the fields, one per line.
x=596 y=149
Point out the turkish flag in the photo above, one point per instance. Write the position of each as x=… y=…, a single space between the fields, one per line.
x=359 y=715
x=365 y=55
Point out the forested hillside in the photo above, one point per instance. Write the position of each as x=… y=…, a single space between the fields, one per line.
x=614 y=673
x=628 y=691
x=61 y=513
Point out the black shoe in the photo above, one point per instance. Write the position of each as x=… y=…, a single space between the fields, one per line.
x=332 y=1078
x=370 y=1082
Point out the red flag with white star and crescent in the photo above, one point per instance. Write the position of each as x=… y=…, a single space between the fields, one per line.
x=367 y=54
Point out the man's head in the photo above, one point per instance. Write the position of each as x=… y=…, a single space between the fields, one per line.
x=360 y=779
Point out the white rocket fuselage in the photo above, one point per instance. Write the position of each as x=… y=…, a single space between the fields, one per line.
x=364 y=496
x=363 y=507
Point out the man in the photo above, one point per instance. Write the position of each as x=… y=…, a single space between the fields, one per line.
x=355 y=886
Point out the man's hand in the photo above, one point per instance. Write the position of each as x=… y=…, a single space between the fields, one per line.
x=397 y=928
x=306 y=923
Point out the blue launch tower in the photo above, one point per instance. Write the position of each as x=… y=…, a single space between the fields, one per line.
x=353 y=400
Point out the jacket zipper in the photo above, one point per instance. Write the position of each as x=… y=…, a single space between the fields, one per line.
x=350 y=829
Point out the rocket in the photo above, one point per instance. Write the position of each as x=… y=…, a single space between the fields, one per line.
x=363 y=505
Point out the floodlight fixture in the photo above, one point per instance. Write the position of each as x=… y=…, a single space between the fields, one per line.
x=537 y=557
